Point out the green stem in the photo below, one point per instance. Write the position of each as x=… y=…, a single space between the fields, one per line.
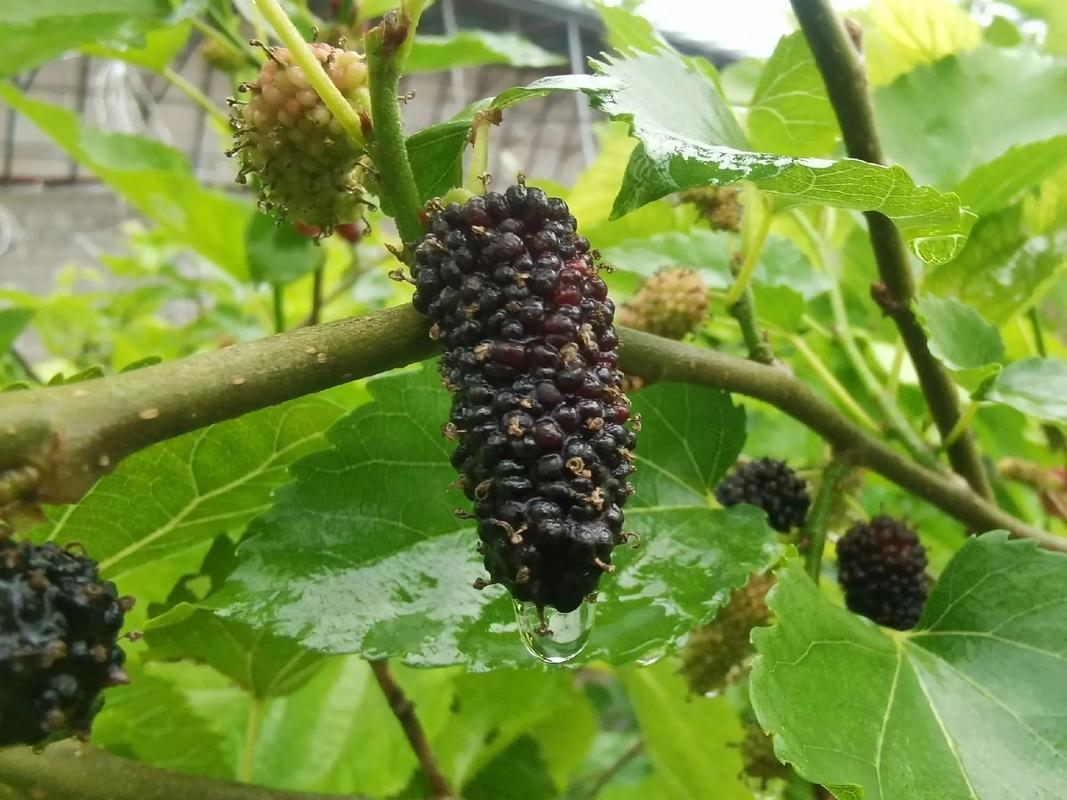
x=248 y=754
x=218 y=116
x=744 y=311
x=964 y=422
x=299 y=51
x=1039 y=335
x=753 y=251
x=387 y=48
x=479 y=166
x=278 y=306
x=846 y=86
x=224 y=37
x=314 y=316
x=835 y=387
x=818 y=521
x=892 y=384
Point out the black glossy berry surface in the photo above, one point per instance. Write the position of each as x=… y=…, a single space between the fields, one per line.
x=771 y=485
x=881 y=566
x=59 y=626
x=529 y=356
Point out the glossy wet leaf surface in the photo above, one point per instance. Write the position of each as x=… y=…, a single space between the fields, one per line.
x=363 y=554
x=968 y=705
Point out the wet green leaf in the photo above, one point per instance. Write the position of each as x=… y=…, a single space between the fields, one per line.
x=688 y=138
x=159 y=48
x=185 y=491
x=968 y=705
x=961 y=339
x=436 y=155
x=277 y=254
x=350 y=560
x=13 y=322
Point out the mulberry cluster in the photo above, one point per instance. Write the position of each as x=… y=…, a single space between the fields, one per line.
x=672 y=303
x=59 y=626
x=771 y=485
x=307 y=167
x=530 y=357
x=715 y=653
x=881 y=566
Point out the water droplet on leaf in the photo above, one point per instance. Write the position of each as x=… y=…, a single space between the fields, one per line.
x=553 y=637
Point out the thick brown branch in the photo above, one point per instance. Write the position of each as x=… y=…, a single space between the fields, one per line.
x=404 y=710
x=69 y=771
x=64 y=431
x=73 y=434
x=846 y=85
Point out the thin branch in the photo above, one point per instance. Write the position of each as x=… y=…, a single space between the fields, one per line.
x=404 y=710
x=815 y=528
x=846 y=85
x=26 y=366
x=387 y=48
x=73 y=434
x=613 y=769
x=218 y=116
x=72 y=770
x=315 y=315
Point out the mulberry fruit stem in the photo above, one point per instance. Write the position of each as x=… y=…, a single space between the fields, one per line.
x=331 y=96
x=479 y=166
x=818 y=521
x=833 y=384
x=753 y=236
x=387 y=47
x=218 y=116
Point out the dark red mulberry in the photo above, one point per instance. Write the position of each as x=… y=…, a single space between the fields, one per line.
x=881 y=566
x=529 y=356
x=59 y=627
x=771 y=485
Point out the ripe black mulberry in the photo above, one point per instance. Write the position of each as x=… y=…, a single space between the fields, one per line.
x=881 y=566
x=59 y=626
x=544 y=430
x=771 y=485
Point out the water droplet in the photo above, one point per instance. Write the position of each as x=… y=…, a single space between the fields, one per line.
x=556 y=638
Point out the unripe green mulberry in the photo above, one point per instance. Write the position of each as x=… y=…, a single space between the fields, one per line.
x=715 y=653
x=670 y=304
x=718 y=205
x=757 y=753
x=307 y=167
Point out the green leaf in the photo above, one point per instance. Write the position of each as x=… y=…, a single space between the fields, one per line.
x=436 y=155
x=475 y=48
x=35 y=32
x=689 y=138
x=158 y=50
x=350 y=560
x=968 y=705
x=151 y=721
x=1034 y=386
x=986 y=126
x=899 y=35
x=13 y=322
x=264 y=665
x=153 y=177
x=961 y=339
x=627 y=32
x=693 y=741
x=1002 y=32
x=790 y=112
x=182 y=492
x=277 y=254
x=1001 y=270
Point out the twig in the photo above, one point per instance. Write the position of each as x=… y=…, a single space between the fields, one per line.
x=73 y=434
x=218 y=116
x=315 y=314
x=71 y=770
x=277 y=293
x=846 y=85
x=248 y=753
x=613 y=769
x=404 y=710
x=832 y=383
x=25 y=366
x=815 y=528
x=387 y=48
